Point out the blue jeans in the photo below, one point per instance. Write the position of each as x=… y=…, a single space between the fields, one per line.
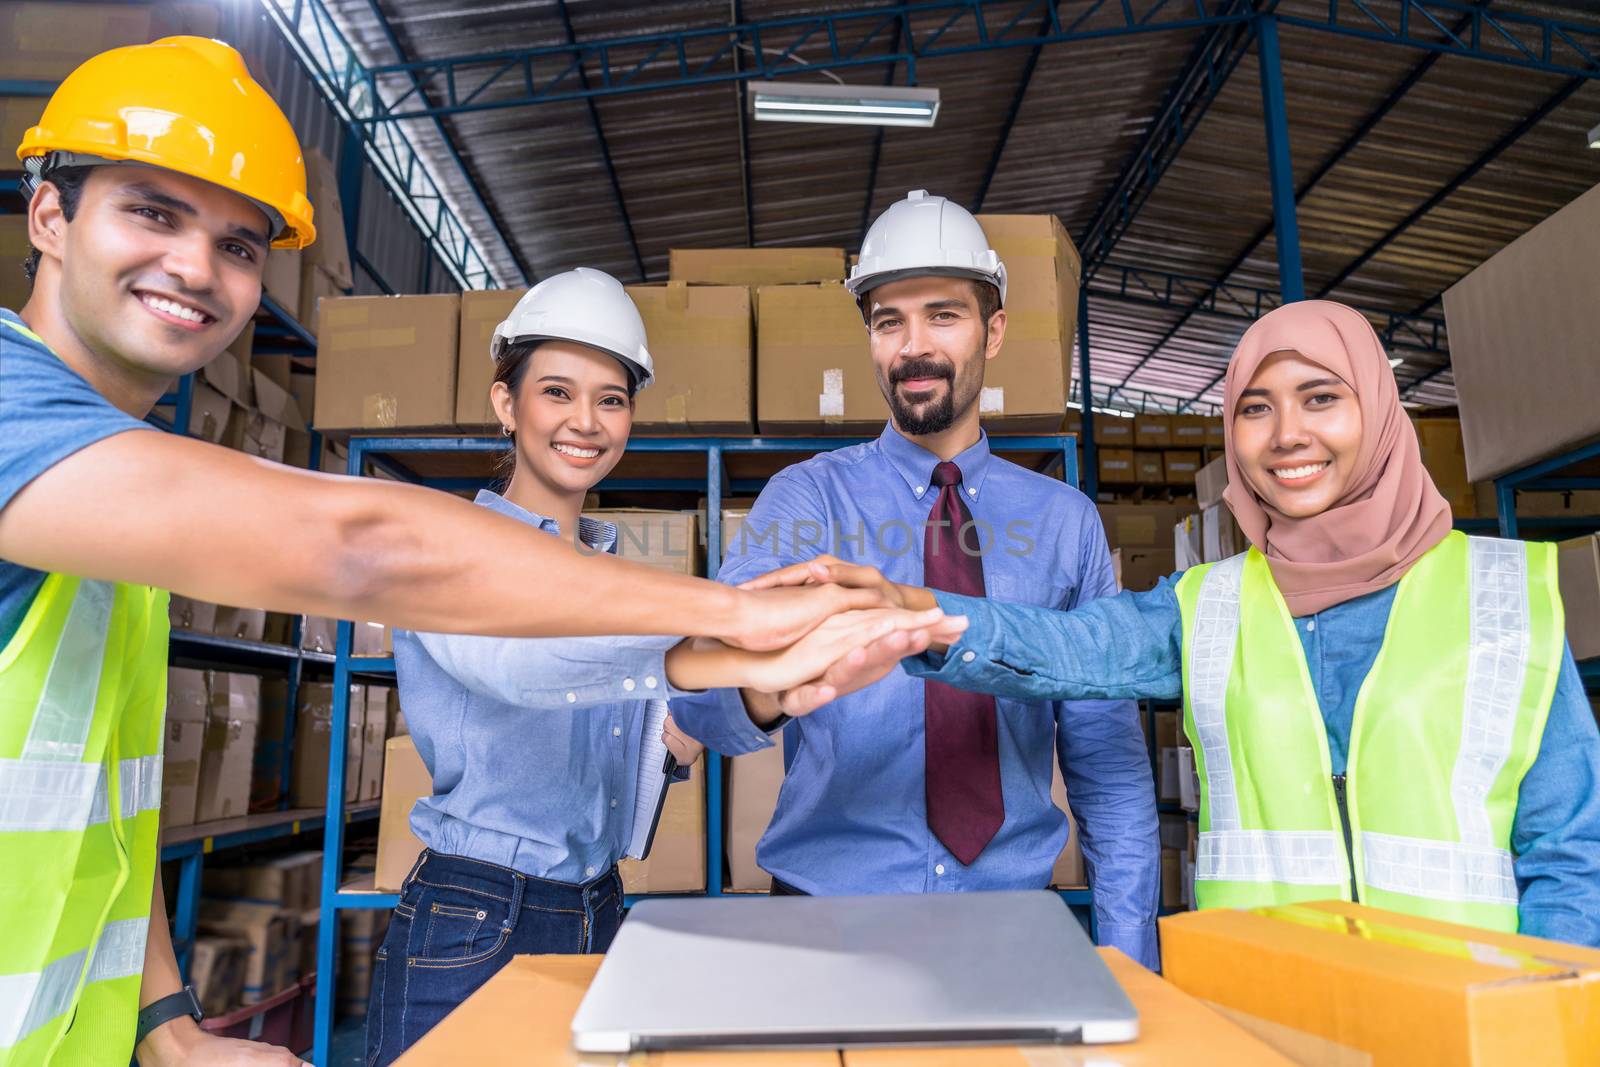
x=457 y=923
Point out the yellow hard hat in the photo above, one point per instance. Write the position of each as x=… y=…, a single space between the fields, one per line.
x=185 y=104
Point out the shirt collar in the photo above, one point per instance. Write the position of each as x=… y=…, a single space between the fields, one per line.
x=597 y=535
x=915 y=464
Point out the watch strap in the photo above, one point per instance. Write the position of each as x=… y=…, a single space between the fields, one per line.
x=168 y=1008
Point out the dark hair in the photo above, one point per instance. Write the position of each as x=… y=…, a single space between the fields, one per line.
x=987 y=293
x=510 y=369
x=69 y=183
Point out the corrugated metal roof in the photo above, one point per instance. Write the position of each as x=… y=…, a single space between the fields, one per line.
x=677 y=156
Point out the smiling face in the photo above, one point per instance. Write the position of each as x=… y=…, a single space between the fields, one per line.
x=1296 y=435
x=157 y=272
x=570 y=410
x=929 y=346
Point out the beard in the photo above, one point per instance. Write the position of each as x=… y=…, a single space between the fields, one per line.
x=922 y=417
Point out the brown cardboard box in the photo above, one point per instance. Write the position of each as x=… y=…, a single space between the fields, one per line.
x=755 y=266
x=1069 y=871
x=374 y=729
x=266 y=931
x=360 y=934
x=1210 y=481
x=18 y=114
x=318 y=634
x=1149 y=468
x=481 y=312
x=1520 y=324
x=14 y=248
x=1171 y=879
x=196 y=616
x=396 y=717
x=1220 y=534
x=388 y=363
x=370 y=639
x=813 y=364
x=216 y=972
x=405 y=781
x=209 y=412
x=524 y=1015
x=39 y=43
x=1025 y=387
x=317 y=287
x=1444 y=455
x=280 y=279
x=1579 y=563
x=1216 y=436
x=266 y=786
x=1333 y=982
x=669 y=540
x=1112 y=431
x=1188 y=542
x=1117 y=466
x=1143 y=567
x=1152 y=431
x=677 y=862
x=1140 y=525
x=702 y=341
x=187 y=705
x=1189 y=431
x=313 y=741
x=245 y=624
x=1181 y=467
x=753 y=784
x=276 y=883
x=330 y=252
x=228 y=751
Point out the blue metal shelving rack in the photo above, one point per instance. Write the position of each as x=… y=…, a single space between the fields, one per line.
x=382 y=452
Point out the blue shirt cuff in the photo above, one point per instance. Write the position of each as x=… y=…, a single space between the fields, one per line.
x=1137 y=941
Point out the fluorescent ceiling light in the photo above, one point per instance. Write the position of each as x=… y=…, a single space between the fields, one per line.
x=1594 y=137
x=850 y=105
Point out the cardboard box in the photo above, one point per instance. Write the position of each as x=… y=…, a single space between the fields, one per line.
x=280 y=279
x=1216 y=435
x=245 y=624
x=330 y=252
x=1164 y=725
x=1579 y=563
x=814 y=369
x=370 y=639
x=1181 y=467
x=1188 y=543
x=1025 y=387
x=388 y=363
x=37 y=43
x=318 y=634
x=1332 y=982
x=1113 y=431
x=278 y=883
x=1152 y=431
x=396 y=717
x=669 y=540
x=187 y=705
x=374 y=729
x=1189 y=431
x=360 y=934
x=313 y=742
x=1171 y=879
x=228 y=750
x=266 y=784
x=1117 y=466
x=216 y=972
x=265 y=931
x=15 y=289
x=1444 y=456
x=1142 y=568
x=753 y=783
x=1188 y=782
x=1167 y=787
x=481 y=311
x=1149 y=469
x=677 y=862
x=1210 y=481
x=702 y=340
x=18 y=114
x=317 y=287
x=755 y=266
x=197 y=616
x=1140 y=525
x=1534 y=299
x=1069 y=871
x=405 y=781
x=1220 y=535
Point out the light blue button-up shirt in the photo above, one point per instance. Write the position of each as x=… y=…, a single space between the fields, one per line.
x=533 y=743
x=851 y=816
x=1131 y=646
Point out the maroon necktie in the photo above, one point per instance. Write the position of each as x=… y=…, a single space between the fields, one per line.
x=965 y=806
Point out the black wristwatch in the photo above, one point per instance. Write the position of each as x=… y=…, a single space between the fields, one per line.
x=167 y=1009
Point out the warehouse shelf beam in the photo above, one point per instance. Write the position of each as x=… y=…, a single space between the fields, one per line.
x=1091 y=451
x=1536 y=475
x=605 y=147
x=1199 y=83
x=1280 y=167
x=314 y=36
x=877 y=140
x=1489 y=155
x=1017 y=97
x=1368 y=124
x=739 y=97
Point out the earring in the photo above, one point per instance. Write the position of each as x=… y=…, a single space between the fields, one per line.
x=505 y=431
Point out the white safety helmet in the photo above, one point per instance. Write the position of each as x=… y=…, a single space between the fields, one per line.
x=587 y=306
x=923 y=235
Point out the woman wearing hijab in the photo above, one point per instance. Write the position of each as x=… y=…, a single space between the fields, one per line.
x=1381 y=709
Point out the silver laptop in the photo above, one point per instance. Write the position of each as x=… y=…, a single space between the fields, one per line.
x=755 y=972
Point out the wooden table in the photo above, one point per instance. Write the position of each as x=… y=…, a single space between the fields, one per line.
x=523 y=1016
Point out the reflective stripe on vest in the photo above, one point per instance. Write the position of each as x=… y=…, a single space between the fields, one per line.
x=29 y=1001
x=1502 y=650
x=42 y=796
x=66 y=706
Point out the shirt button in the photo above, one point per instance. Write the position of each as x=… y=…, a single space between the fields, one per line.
x=919 y=490
x=972 y=492
x=588 y=872
x=572 y=698
x=938 y=869
x=627 y=683
x=650 y=682
x=968 y=657
x=613 y=802
x=616 y=731
x=1311 y=624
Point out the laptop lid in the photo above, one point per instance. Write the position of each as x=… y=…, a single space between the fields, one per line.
x=936 y=969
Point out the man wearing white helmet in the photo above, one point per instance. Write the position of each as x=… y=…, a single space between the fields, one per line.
x=909 y=786
x=535 y=745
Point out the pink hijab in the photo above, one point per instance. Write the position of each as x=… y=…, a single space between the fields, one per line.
x=1392 y=513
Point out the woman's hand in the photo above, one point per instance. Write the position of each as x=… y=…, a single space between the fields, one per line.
x=882 y=636
x=684 y=748
x=830 y=570
x=774 y=618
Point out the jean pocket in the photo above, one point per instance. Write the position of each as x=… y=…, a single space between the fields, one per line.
x=460 y=930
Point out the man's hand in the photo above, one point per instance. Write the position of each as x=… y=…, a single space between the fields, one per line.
x=775 y=618
x=857 y=669
x=847 y=646
x=827 y=570
x=181 y=1043
x=684 y=748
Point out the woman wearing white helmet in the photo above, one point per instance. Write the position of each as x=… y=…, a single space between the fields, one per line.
x=534 y=745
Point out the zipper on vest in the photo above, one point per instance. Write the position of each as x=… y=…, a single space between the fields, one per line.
x=1344 y=823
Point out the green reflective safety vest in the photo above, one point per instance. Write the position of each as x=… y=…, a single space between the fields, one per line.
x=82 y=707
x=1447 y=723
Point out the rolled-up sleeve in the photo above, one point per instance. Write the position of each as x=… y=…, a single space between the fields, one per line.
x=545 y=673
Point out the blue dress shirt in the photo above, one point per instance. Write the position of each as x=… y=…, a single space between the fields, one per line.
x=1131 y=646
x=851 y=816
x=533 y=743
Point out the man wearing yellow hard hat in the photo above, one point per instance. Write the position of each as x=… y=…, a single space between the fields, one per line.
x=159 y=177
